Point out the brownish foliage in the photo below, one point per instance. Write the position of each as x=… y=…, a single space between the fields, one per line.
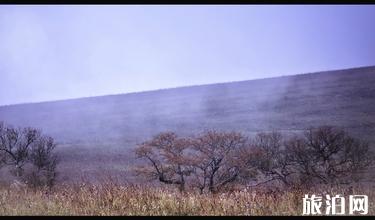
x=216 y=161
x=167 y=158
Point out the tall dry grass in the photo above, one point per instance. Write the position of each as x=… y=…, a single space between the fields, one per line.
x=116 y=199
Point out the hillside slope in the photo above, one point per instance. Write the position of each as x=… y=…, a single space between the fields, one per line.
x=102 y=127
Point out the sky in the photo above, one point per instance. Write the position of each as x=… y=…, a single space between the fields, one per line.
x=61 y=52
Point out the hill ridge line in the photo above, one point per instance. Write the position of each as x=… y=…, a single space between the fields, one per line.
x=189 y=86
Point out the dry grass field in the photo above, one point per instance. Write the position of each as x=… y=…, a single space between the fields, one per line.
x=118 y=199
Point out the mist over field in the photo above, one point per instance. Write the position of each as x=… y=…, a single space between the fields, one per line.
x=185 y=110
x=99 y=133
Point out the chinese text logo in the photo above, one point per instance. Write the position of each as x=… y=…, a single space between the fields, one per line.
x=358 y=204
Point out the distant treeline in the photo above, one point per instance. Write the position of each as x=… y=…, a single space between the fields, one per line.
x=216 y=161
x=212 y=161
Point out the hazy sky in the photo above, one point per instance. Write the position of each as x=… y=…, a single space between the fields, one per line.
x=59 y=52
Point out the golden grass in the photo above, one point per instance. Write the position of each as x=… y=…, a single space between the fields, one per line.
x=116 y=199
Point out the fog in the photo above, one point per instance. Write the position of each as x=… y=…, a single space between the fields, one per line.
x=61 y=52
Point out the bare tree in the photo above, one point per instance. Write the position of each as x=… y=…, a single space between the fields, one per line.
x=27 y=147
x=217 y=159
x=2 y=153
x=214 y=160
x=273 y=160
x=44 y=161
x=328 y=155
x=167 y=159
x=15 y=145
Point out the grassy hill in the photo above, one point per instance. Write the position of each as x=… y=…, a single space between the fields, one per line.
x=96 y=133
